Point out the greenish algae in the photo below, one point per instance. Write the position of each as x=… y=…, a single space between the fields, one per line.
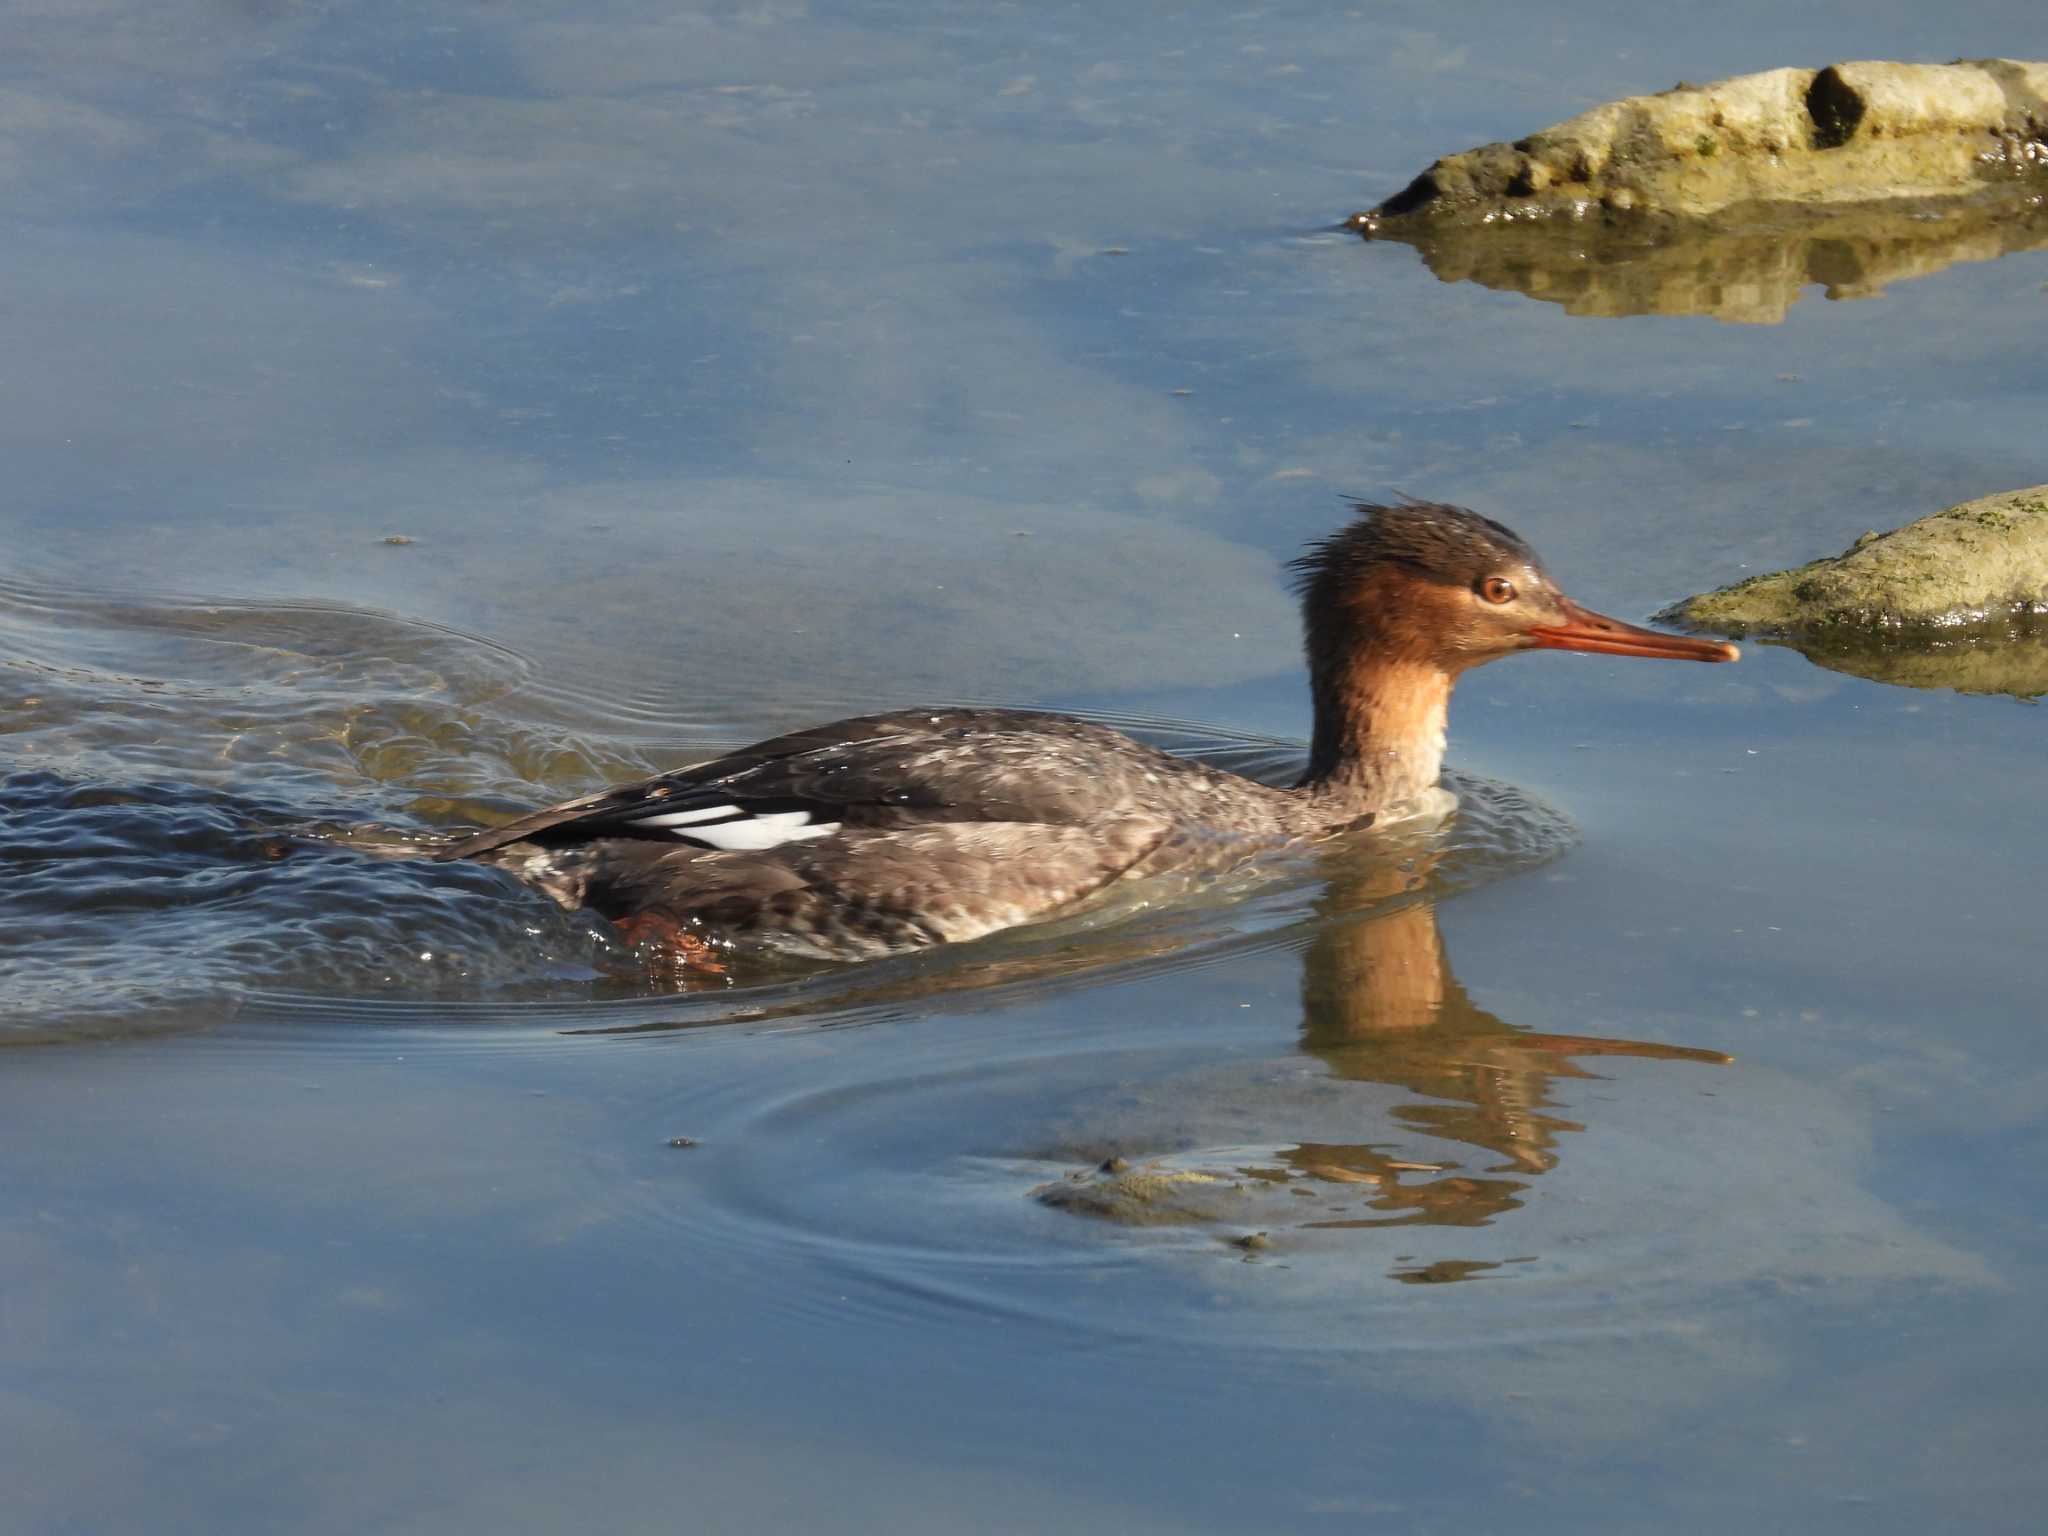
x=1956 y=600
x=1976 y=562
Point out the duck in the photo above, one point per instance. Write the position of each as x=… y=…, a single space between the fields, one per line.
x=890 y=833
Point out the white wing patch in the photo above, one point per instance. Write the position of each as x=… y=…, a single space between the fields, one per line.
x=733 y=830
x=684 y=818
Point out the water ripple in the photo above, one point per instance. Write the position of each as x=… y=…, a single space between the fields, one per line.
x=195 y=789
x=899 y=1182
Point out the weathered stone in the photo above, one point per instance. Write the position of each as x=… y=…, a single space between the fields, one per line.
x=1957 y=600
x=1849 y=133
x=1979 y=560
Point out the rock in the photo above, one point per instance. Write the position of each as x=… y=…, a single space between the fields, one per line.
x=1850 y=133
x=1727 y=199
x=1956 y=600
x=1981 y=560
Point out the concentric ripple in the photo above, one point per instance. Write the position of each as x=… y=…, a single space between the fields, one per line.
x=897 y=1177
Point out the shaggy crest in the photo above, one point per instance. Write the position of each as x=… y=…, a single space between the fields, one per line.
x=1441 y=542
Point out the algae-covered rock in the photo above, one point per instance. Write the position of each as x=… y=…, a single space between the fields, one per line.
x=1977 y=561
x=1728 y=199
x=1849 y=133
x=1957 y=600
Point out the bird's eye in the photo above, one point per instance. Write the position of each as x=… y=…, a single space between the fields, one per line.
x=1497 y=589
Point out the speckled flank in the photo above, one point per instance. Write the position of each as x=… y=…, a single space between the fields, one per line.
x=1031 y=829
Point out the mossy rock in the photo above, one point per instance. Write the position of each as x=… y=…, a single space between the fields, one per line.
x=1977 y=562
x=1957 y=600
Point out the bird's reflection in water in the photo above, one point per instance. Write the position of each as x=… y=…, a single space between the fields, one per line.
x=1380 y=1005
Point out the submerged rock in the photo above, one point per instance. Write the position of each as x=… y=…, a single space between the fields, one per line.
x=1727 y=199
x=1163 y=1192
x=1956 y=600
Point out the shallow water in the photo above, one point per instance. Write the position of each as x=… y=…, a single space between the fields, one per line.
x=1658 y=1143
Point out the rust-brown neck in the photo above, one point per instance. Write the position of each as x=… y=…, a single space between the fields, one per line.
x=1381 y=694
x=1379 y=733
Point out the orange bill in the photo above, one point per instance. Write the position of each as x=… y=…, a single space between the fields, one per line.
x=1585 y=630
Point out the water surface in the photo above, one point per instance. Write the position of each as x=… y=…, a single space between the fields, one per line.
x=412 y=416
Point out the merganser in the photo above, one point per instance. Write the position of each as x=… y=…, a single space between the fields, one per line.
x=895 y=832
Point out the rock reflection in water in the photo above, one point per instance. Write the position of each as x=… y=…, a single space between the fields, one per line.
x=2005 y=655
x=1744 y=268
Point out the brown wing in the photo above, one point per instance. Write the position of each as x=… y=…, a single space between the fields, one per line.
x=878 y=771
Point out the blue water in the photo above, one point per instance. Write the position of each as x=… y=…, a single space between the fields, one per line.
x=729 y=367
